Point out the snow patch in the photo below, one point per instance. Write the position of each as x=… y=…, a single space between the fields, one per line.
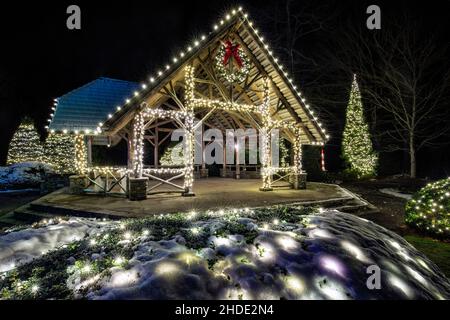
x=22 y=246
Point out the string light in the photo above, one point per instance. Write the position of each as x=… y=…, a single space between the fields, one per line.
x=25 y=144
x=429 y=208
x=265 y=46
x=188 y=117
x=80 y=154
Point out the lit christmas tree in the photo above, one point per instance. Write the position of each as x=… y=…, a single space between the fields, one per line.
x=25 y=144
x=173 y=156
x=356 y=144
x=59 y=150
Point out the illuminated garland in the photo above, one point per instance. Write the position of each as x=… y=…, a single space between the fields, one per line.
x=189 y=131
x=284 y=153
x=356 y=144
x=266 y=160
x=138 y=145
x=297 y=152
x=227 y=70
x=25 y=144
x=173 y=156
x=80 y=154
x=181 y=57
x=59 y=151
x=429 y=209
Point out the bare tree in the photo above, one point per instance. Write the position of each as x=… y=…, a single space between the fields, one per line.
x=405 y=84
x=296 y=30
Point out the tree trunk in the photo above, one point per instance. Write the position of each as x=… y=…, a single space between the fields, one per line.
x=412 y=157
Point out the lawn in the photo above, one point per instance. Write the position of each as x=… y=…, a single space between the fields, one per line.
x=437 y=251
x=391 y=215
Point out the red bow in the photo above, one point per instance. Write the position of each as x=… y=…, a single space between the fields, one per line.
x=232 y=51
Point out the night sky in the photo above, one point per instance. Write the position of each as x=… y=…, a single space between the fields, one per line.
x=42 y=59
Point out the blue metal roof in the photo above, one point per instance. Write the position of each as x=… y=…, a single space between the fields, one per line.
x=83 y=108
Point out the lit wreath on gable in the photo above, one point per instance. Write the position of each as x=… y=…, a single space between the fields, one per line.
x=232 y=63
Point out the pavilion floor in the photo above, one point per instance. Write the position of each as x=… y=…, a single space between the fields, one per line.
x=210 y=193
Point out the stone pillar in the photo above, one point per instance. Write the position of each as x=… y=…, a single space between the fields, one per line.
x=77 y=184
x=204 y=173
x=298 y=181
x=137 y=189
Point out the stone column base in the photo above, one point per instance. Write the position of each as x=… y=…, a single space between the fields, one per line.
x=265 y=189
x=77 y=184
x=299 y=181
x=188 y=193
x=204 y=173
x=137 y=189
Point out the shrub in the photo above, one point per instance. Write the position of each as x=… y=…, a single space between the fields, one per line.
x=429 y=209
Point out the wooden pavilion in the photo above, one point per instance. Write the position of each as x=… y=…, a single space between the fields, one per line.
x=228 y=79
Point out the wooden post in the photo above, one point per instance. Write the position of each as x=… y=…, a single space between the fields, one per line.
x=130 y=150
x=189 y=137
x=266 y=137
x=89 y=150
x=203 y=171
x=138 y=145
x=137 y=185
x=238 y=166
x=299 y=177
x=266 y=160
x=156 y=148
x=224 y=165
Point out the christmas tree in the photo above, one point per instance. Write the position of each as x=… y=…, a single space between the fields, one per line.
x=173 y=156
x=356 y=144
x=59 y=150
x=25 y=144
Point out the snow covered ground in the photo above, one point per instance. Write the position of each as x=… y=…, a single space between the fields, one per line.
x=289 y=253
x=17 y=248
x=23 y=174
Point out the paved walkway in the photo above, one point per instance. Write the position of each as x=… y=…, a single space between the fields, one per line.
x=210 y=193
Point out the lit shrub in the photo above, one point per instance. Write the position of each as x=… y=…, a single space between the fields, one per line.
x=429 y=209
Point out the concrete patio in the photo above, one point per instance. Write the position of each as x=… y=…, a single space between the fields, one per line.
x=211 y=193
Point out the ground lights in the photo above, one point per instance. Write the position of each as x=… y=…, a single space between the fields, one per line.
x=90 y=271
x=429 y=209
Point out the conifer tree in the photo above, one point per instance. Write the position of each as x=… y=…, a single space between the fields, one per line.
x=25 y=144
x=59 y=150
x=356 y=144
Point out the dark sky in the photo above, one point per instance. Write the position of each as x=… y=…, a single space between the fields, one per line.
x=42 y=59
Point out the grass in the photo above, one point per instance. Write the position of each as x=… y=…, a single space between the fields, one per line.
x=437 y=251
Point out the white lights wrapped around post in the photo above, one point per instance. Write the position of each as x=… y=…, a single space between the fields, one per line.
x=138 y=145
x=189 y=133
x=266 y=170
x=77 y=183
x=80 y=154
x=137 y=184
x=265 y=140
x=299 y=177
x=297 y=152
